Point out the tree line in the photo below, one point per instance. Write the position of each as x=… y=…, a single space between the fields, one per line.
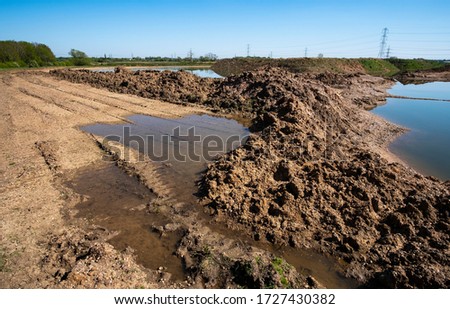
x=25 y=54
x=15 y=54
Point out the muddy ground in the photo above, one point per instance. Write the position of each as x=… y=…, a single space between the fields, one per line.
x=315 y=175
x=49 y=239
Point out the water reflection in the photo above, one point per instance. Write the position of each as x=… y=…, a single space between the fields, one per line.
x=426 y=147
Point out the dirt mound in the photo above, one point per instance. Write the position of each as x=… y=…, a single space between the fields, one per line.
x=175 y=87
x=308 y=178
x=235 y=66
x=182 y=87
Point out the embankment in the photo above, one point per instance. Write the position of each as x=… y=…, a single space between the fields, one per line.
x=393 y=67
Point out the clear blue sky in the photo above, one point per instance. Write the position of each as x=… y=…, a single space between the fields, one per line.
x=336 y=28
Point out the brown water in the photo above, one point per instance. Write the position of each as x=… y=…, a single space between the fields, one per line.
x=118 y=200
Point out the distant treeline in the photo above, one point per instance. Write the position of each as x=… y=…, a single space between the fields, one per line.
x=25 y=54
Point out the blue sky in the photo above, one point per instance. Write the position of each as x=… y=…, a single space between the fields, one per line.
x=283 y=28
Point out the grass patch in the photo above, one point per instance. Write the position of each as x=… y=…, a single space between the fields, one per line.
x=413 y=65
x=379 y=67
x=281 y=267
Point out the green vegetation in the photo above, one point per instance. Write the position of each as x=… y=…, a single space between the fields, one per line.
x=411 y=65
x=31 y=55
x=378 y=67
x=24 y=54
x=79 y=58
x=281 y=267
x=153 y=61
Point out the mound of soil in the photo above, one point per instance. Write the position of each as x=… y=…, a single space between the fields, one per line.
x=175 y=87
x=182 y=87
x=307 y=178
x=77 y=259
x=235 y=66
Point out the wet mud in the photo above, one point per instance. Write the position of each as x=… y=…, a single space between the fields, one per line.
x=120 y=203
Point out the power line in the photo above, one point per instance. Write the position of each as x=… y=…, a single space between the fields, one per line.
x=419 y=33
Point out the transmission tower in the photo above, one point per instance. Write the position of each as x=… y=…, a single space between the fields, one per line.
x=306 y=52
x=388 y=53
x=383 y=42
x=248 y=50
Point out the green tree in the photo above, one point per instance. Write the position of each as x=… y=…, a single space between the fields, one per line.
x=79 y=57
x=45 y=54
x=21 y=54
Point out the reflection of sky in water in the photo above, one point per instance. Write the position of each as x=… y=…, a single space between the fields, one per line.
x=160 y=141
x=435 y=90
x=427 y=146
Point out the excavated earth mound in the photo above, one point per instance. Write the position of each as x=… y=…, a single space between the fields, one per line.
x=175 y=87
x=308 y=178
x=310 y=174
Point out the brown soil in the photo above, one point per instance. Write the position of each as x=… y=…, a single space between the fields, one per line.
x=236 y=66
x=42 y=246
x=311 y=177
x=441 y=74
x=51 y=238
x=176 y=87
x=314 y=174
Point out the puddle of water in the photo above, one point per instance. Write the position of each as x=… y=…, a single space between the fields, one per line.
x=426 y=147
x=434 y=90
x=182 y=175
x=182 y=152
x=306 y=261
x=118 y=202
x=323 y=269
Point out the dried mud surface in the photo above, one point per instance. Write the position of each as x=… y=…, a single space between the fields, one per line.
x=315 y=173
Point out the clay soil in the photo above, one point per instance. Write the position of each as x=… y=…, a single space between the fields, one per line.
x=315 y=174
